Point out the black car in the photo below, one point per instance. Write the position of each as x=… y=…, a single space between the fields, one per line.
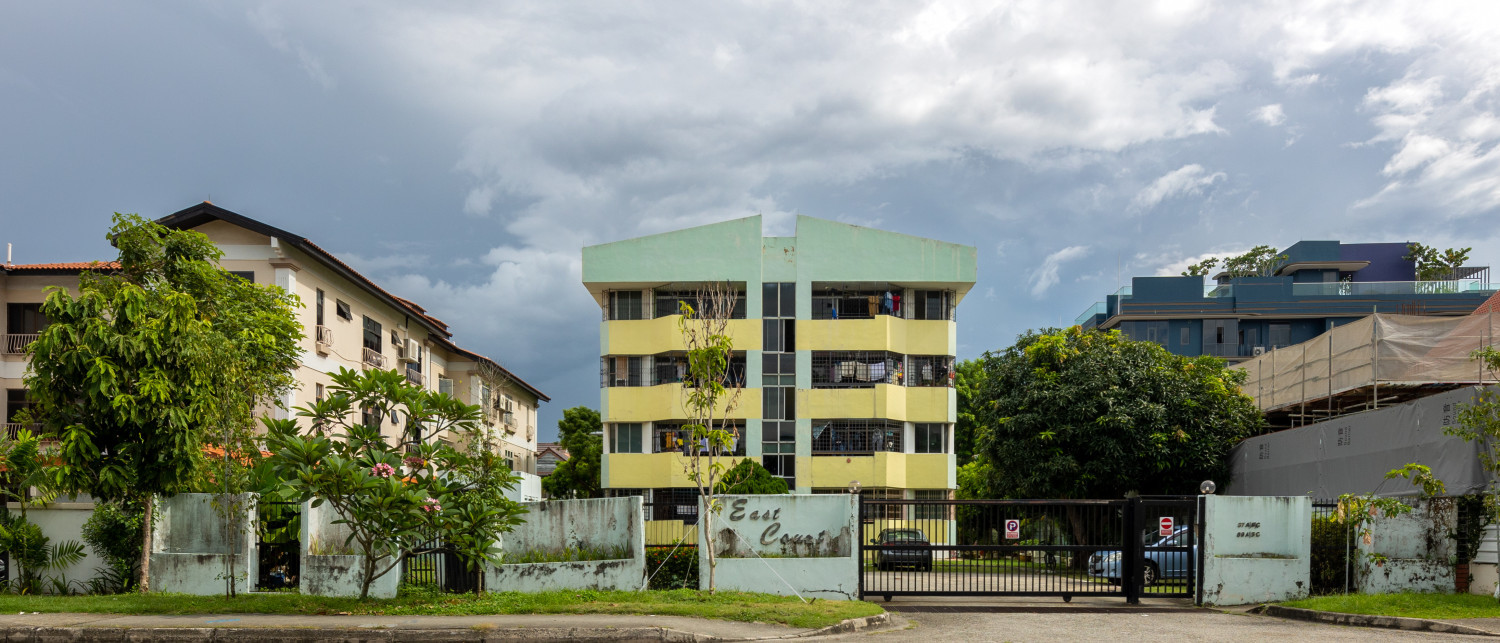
x=891 y=555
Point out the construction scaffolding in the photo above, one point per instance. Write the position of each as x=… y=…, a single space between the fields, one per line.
x=1376 y=361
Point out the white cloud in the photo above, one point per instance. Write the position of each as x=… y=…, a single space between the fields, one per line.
x=1271 y=115
x=1188 y=179
x=1045 y=275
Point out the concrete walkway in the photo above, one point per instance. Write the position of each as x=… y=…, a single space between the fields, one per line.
x=287 y=628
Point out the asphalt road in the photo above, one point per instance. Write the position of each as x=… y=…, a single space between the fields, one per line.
x=1175 y=626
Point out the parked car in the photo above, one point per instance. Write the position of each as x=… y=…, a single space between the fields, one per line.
x=919 y=559
x=1157 y=564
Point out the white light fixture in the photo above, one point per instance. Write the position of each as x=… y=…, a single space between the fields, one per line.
x=1207 y=488
x=853 y=486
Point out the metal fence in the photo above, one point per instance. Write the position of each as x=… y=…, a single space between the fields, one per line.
x=438 y=565
x=1335 y=547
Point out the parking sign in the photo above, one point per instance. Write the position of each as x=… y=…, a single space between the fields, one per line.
x=1012 y=529
x=1166 y=527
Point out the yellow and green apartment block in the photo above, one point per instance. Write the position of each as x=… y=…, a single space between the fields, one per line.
x=847 y=337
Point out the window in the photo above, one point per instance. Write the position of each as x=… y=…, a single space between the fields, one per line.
x=1185 y=334
x=666 y=303
x=319 y=315
x=372 y=335
x=930 y=512
x=779 y=450
x=371 y=417
x=933 y=304
x=625 y=438
x=16 y=401
x=932 y=438
x=317 y=392
x=342 y=310
x=1280 y=335
x=445 y=386
x=625 y=304
x=626 y=370
x=780 y=335
x=24 y=319
x=247 y=275
x=395 y=339
x=484 y=396
x=778 y=300
x=885 y=512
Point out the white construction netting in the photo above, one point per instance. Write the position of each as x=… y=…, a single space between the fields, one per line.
x=1377 y=350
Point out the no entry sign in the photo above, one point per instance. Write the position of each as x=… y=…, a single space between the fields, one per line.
x=1012 y=528
x=1166 y=527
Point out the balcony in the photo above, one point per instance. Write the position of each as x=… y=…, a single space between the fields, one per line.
x=324 y=336
x=675 y=439
x=1367 y=288
x=373 y=359
x=15 y=344
x=415 y=378
x=13 y=428
x=1097 y=309
x=855 y=437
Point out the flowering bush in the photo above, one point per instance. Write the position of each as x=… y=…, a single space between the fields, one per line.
x=446 y=495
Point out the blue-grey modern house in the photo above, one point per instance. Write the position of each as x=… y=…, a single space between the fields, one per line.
x=1319 y=285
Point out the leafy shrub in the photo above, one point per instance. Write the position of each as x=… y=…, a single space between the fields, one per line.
x=1330 y=554
x=114 y=533
x=672 y=569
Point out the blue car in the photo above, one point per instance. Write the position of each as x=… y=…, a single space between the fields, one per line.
x=1157 y=564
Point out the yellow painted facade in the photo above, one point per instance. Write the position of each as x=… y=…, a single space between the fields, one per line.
x=652 y=470
x=883 y=333
x=881 y=470
x=661 y=335
x=665 y=402
x=905 y=404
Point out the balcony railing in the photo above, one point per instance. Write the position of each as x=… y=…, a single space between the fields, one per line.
x=1097 y=309
x=15 y=344
x=12 y=428
x=672 y=439
x=373 y=358
x=1364 y=288
x=415 y=377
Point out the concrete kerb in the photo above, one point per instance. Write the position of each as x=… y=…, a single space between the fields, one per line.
x=1370 y=620
x=477 y=632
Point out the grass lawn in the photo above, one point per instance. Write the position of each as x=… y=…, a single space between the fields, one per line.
x=730 y=606
x=1430 y=606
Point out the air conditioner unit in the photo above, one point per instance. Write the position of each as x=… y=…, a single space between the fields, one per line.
x=1258 y=351
x=410 y=350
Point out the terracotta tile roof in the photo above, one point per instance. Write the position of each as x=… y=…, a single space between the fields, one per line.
x=63 y=266
x=1491 y=305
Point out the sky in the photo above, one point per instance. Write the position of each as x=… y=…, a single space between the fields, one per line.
x=461 y=153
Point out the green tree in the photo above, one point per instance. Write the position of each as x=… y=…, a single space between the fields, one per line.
x=749 y=477
x=968 y=379
x=399 y=496
x=1090 y=414
x=1260 y=261
x=710 y=397
x=25 y=469
x=1202 y=268
x=147 y=364
x=579 y=476
x=1435 y=265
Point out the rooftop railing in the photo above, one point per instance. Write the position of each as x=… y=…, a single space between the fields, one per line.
x=1097 y=309
x=1363 y=288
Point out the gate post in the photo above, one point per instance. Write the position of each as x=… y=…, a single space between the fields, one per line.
x=1130 y=553
x=859 y=542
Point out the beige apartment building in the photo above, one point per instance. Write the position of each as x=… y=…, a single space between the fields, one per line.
x=348 y=322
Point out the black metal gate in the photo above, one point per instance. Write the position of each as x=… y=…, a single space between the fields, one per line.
x=1062 y=548
x=439 y=566
x=278 y=545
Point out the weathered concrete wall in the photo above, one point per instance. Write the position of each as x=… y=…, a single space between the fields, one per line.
x=561 y=526
x=194 y=544
x=1418 y=550
x=329 y=568
x=785 y=544
x=1256 y=549
x=62 y=521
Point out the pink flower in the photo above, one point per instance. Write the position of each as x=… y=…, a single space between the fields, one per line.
x=415 y=462
x=382 y=470
x=432 y=505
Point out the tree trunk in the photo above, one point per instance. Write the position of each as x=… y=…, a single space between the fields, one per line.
x=1080 y=537
x=365 y=577
x=708 y=525
x=146 y=525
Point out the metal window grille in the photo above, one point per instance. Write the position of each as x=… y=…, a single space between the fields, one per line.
x=669 y=437
x=929 y=370
x=666 y=302
x=855 y=437
x=831 y=303
x=856 y=369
